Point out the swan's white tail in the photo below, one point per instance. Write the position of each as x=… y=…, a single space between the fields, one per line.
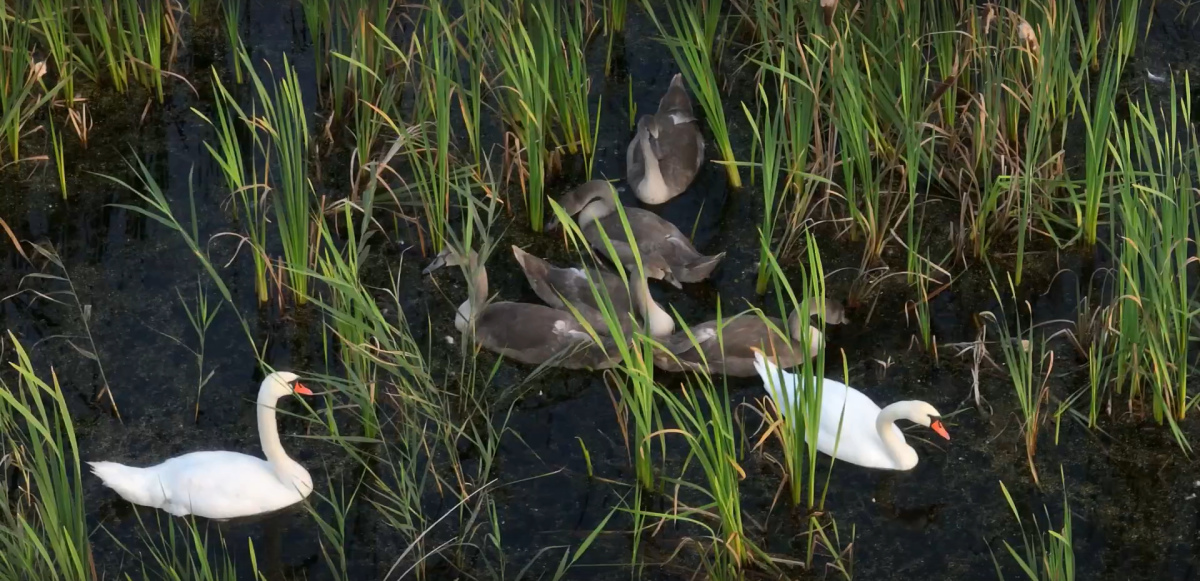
x=137 y=485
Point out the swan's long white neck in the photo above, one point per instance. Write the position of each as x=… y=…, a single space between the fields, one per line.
x=903 y=454
x=658 y=322
x=796 y=326
x=654 y=179
x=268 y=436
x=477 y=299
x=595 y=210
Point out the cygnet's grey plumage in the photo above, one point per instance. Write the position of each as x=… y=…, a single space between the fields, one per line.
x=528 y=333
x=666 y=253
x=559 y=287
x=733 y=353
x=667 y=151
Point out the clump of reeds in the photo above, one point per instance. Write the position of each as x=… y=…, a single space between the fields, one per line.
x=428 y=149
x=284 y=124
x=704 y=416
x=570 y=84
x=241 y=176
x=180 y=549
x=614 y=24
x=771 y=141
x=1157 y=163
x=526 y=42
x=1052 y=557
x=20 y=78
x=1030 y=380
x=43 y=527
x=691 y=39
x=634 y=383
x=231 y=10
x=1098 y=113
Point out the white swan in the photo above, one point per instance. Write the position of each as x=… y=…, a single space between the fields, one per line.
x=221 y=485
x=869 y=435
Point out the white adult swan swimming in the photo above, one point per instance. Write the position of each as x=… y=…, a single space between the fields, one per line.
x=221 y=485
x=869 y=435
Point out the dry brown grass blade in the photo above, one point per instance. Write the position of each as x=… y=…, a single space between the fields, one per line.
x=16 y=243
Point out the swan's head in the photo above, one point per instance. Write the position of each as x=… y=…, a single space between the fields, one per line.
x=449 y=256
x=928 y=416
x=281 y=383
x=598 y=196
x=676 y=99
x=656 y=267
x=647 y=127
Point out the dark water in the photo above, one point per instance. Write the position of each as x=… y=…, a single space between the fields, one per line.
x=1132 y=493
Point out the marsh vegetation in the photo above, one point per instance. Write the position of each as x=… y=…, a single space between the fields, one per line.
x=200 y=192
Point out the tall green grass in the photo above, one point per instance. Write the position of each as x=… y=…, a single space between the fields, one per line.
x=185 y=550
x=796 y=422
x=614 y=24
x=1158 y=163
x=52 y=21
x=1047 y=61
x=771 y=140
x=570 y=83
x=1098 y=115
x=43 y=527
x=857 y=124
x=1052 y=557
x=1030 y=379
x=285 y=125
x=241 y=176
x=20 y=78
x=231 y=10
x=429 y=152
x=636 y=408
x=526 y=39
x=691 y=40
x=704 y=416
x=133 y=40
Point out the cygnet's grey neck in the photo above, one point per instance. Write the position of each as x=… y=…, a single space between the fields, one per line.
x=478 y=295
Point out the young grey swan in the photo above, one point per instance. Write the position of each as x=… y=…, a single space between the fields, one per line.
x=740 y=336
x=562 y=286
x=668 y=149
x=666 y=253
x=531 y=334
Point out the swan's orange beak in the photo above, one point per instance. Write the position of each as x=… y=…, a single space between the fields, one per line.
x=300 y=389
x=940 y=429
